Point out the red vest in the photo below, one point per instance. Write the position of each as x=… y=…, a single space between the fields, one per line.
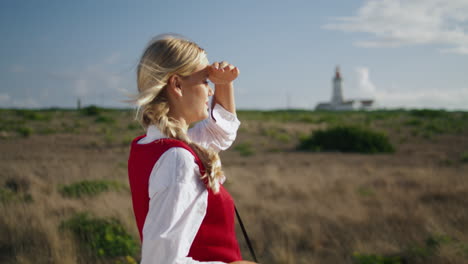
x=216 y=238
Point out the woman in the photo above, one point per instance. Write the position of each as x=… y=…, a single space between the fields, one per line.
x=183 y=213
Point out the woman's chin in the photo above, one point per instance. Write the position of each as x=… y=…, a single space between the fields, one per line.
x=206 y=114
x=202 y=116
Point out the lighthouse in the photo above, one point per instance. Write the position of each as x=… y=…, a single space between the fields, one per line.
x=337 y=95
x=338 y=103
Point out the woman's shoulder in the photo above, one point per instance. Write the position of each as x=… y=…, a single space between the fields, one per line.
x=179 y=163
x=178 y=155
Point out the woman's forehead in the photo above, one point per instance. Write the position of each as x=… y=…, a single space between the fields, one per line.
x=201 y=70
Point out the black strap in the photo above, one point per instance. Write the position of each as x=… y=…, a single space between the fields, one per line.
x=246 y=236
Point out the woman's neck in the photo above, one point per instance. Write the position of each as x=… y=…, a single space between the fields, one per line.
x=180 y=119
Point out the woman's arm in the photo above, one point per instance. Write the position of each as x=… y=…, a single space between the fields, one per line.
x=217 y=135
x=224 y=95
x=178 y=202
x=222 y=75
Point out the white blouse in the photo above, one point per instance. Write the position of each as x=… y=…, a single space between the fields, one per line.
x=178 y=198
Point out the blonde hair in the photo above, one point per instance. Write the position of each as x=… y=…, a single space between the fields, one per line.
x=165 y=56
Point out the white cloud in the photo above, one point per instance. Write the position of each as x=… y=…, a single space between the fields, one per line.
x=107 y=81
x=17 y=69
x=447 y=99
x=459 y=50
x=394 y=23
x=81 y=87
x=7 y=101
x=25 y=103
x=113 y=58
x=4 y=98
x=98 y=81
x=365 y=85
x=396 y=97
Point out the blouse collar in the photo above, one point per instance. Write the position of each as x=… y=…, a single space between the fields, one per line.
x=152 y=133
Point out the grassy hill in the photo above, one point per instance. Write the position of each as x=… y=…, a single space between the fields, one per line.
x=64 y=191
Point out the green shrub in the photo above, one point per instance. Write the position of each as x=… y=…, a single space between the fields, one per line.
x=436 y=128
x=430 y=247
x=126 y=260
x=446 y=162
x=90 y=188
x=104 y=119
x=277 y=134
x=306 y=119
x=10 y=125
x=8 y=195
x=347 y=139
x=91 y=110
x=122 y=165
x=78 y=124
x=102 y=237
x=464 y=157
x=436 y=240
x=462 y=249
x=17 y=184
x=127 y=140
x=365 y=191
x=415 y=133
x=245 y=149
x=31 y=115
x=384 y=114
x=47 y=131
x=133 y=126
x=283 y=137
x=375 y=259
x=428 y=113
x=328 y=119
x=109 y=138
x=427 y=135
x=24 y=131
x=414 y=122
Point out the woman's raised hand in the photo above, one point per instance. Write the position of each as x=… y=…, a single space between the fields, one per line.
x=222 y=73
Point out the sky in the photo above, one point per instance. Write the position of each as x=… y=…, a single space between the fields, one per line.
x=402 y=54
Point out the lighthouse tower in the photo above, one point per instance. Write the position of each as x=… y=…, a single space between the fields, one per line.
x=337 y=102
x=337 y=96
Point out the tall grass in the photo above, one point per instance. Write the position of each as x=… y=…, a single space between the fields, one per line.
x=90 y=188
x=299 y=207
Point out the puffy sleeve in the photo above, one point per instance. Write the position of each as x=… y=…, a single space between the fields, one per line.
x=216 y=132
x=178 y=202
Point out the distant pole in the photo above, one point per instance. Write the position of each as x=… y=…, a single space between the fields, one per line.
x=101 y=97
x=78 y=103
x=288 y=100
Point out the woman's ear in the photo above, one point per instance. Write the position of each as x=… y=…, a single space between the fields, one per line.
x=174 y=85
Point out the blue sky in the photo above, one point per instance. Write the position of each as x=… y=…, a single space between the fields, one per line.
x=410 y=53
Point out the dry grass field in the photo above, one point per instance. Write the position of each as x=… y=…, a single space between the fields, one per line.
x=410 y=206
